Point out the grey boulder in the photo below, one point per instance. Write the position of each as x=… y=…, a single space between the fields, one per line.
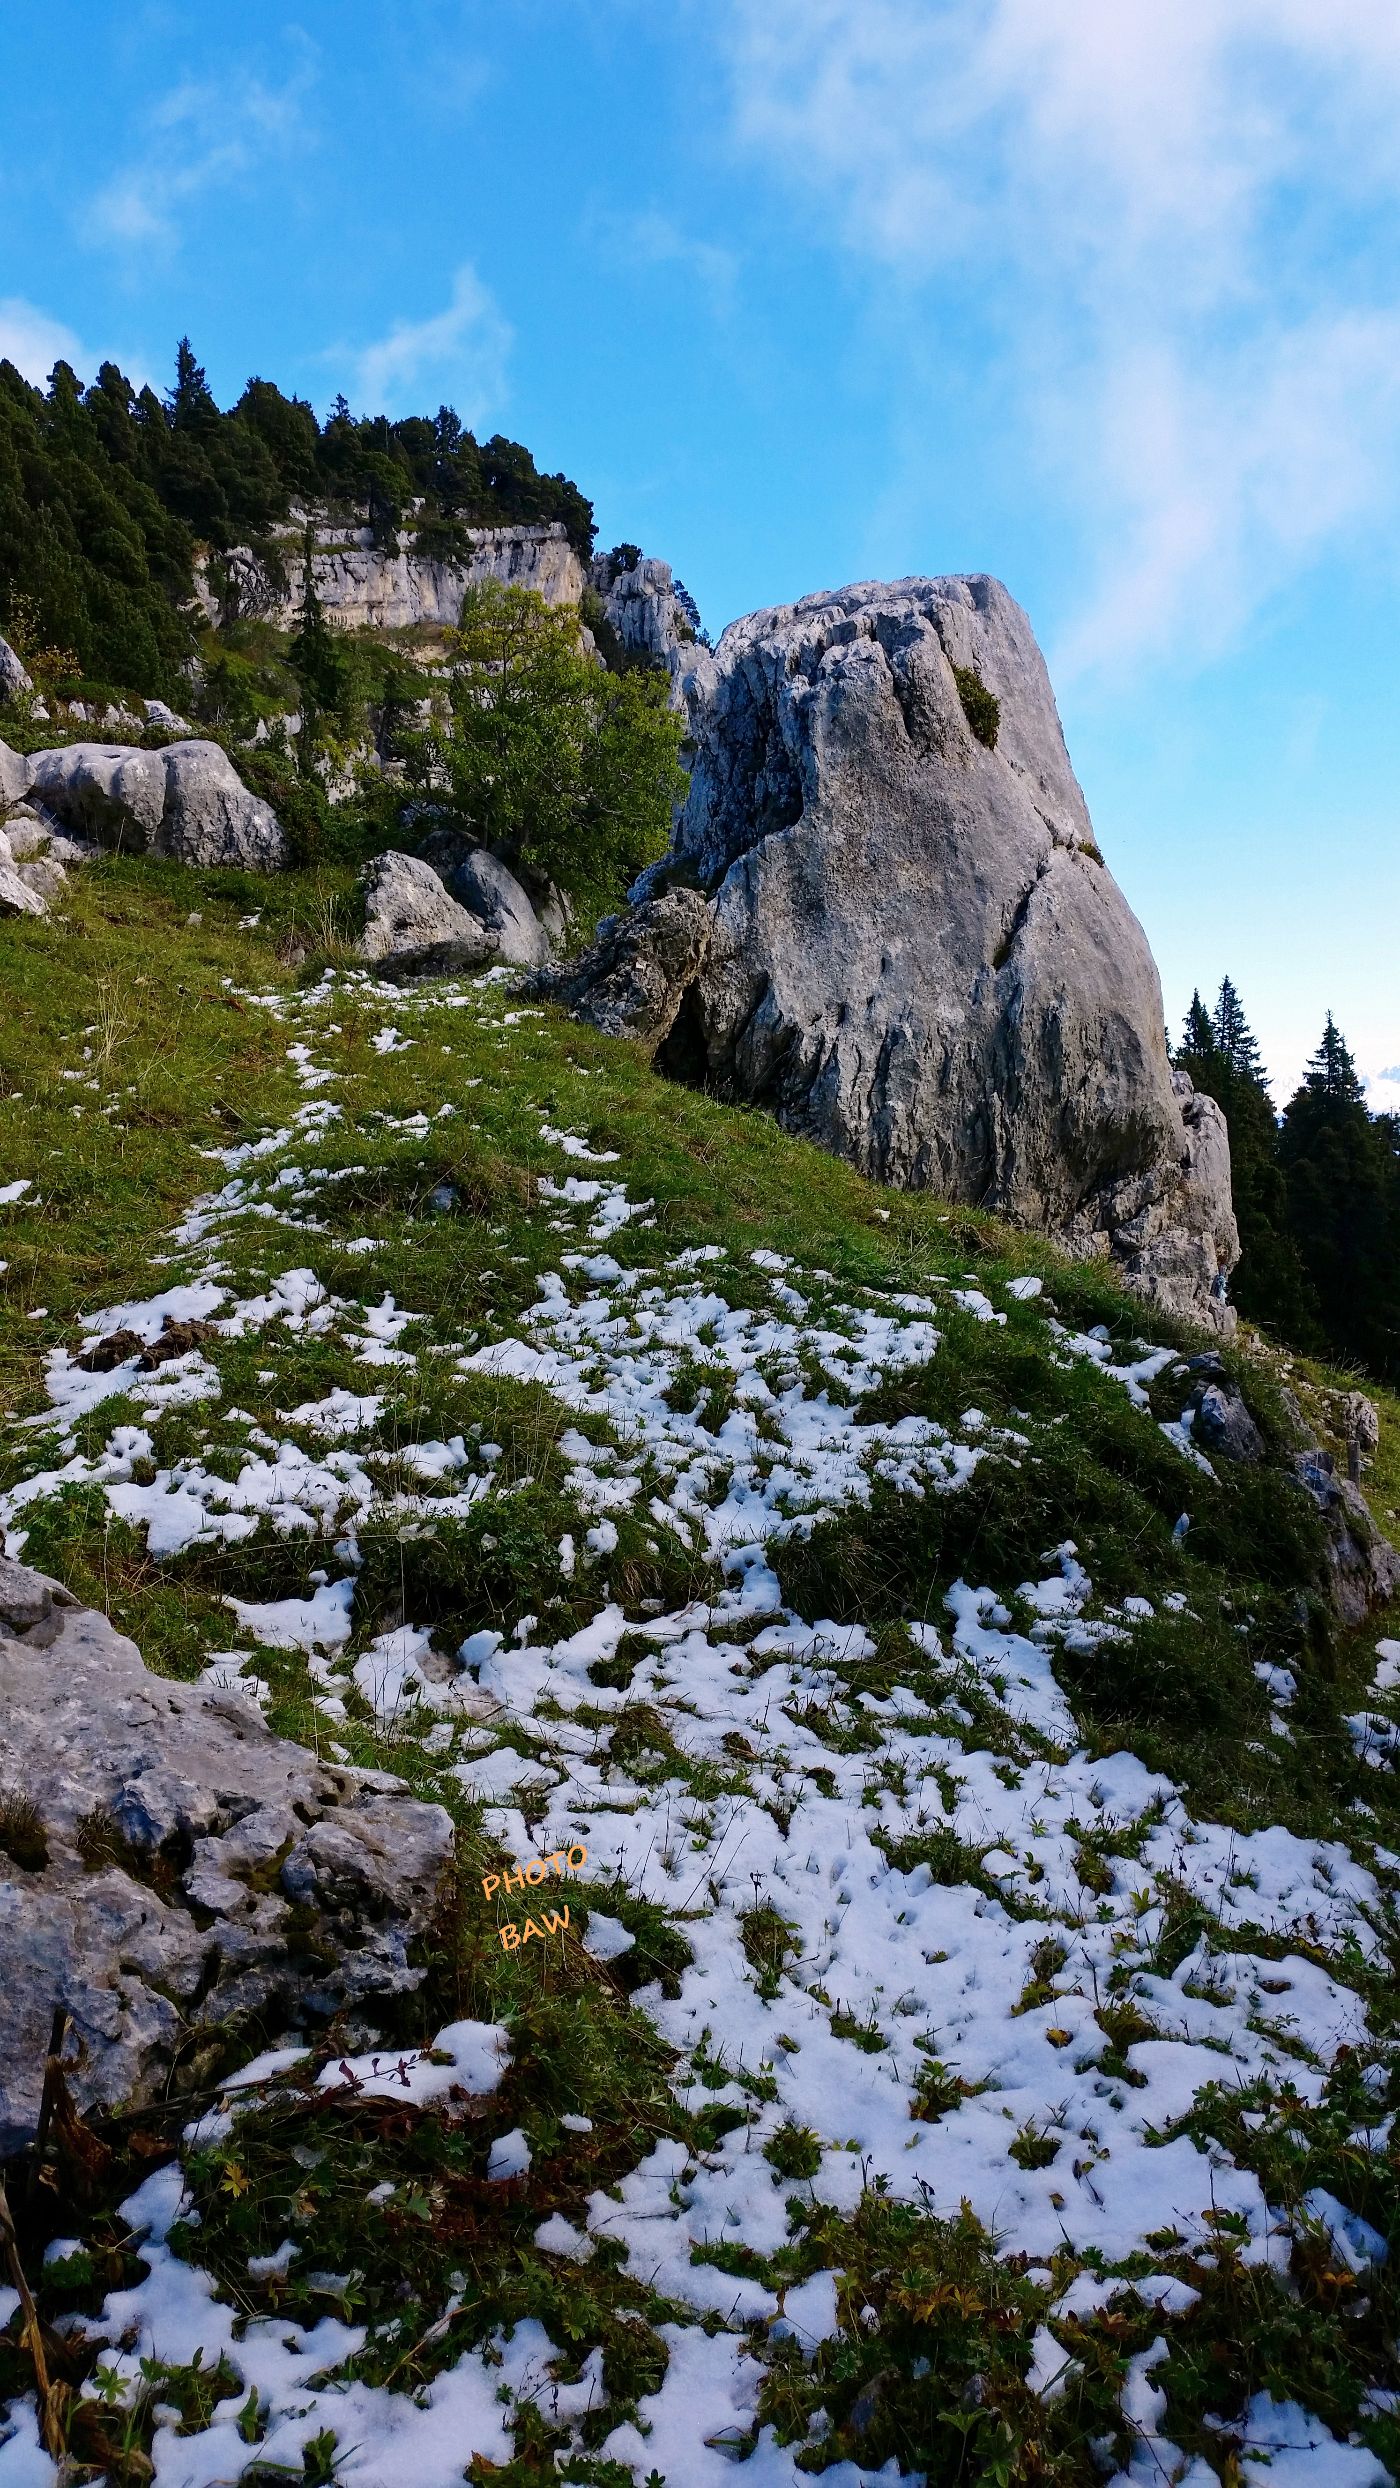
x=175 y=1872
x=488 y=890
x=1222 y=1424
x=17 y=897
x=186 y=802
x=15 y=682
x=1363 y=1567
x=919 y=957
x=633 y=979
x=16 y=775
x=463 y=910
x=413 y=927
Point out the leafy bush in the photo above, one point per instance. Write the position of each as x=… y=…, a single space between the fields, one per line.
x=981 y=707
x=555 y=764
x=107 y=494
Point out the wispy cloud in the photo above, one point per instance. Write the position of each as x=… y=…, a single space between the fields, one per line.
x=34 y=341
x=204 y=135
x=465 y=346
x=652 y=239
x=1178 y=224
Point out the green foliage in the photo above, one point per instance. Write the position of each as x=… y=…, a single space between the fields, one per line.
x=981 y=707
x=106 y=494
x=318 y=659
x=1342 y=1170
x=558 y=766
x=928 y=2371
x=1317 y=1201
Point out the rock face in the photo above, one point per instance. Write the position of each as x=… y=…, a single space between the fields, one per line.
x=419 y=924
x=643 y=610
x=17 y=896
x=365 y=586
x=919 y=957
x=1222 y=1424
x=641 y=965
x=14 y=680
x=481 y=883
x=16 y=773
x=187 y=802
x=412 y=927
x=174 y=1867
x=1363 y=1567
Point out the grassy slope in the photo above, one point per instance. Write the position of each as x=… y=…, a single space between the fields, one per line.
x=175 y=1061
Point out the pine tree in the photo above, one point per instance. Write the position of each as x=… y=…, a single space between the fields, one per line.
x=1219 y=1054
x=191 y=401
x=1343 y=1181
x=321 y=665
x=1234 y=1038
x=1331 y=1073
x=1197 y=1035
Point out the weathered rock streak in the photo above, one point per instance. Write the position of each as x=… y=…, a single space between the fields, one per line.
x=919 y=957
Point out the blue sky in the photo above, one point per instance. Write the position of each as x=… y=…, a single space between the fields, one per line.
x=1100 y=296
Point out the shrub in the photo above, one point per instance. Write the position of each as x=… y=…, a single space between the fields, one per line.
x=556 y=764
x=981 y=707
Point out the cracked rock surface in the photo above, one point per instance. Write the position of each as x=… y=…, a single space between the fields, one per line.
x=171 y=1869
x=919 y=957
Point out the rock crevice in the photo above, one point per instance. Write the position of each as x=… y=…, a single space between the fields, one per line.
x=917 y=956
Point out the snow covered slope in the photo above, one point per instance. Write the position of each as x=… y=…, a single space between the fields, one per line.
x=970 y=2041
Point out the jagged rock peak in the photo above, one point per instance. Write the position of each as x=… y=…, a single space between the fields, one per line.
x=919 y=957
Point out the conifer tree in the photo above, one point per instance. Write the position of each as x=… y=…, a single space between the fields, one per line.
x=1234 y=1038
x=1343 y=1180
x=319 y=662
x=1219 y=1053
x=1197 y=1035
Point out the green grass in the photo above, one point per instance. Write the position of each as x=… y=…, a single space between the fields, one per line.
x=188 y=1066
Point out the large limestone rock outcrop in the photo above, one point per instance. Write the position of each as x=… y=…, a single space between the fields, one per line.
x=919 y=957
x=645 y=614
x=170 y=1869
x=187 y=802
x=365 y=585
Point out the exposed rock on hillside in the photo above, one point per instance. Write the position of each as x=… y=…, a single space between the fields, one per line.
x=16 y=773
x=186 y=802
x=173 y=1866
x=417 y=925
x=17 y=896
x=363 y=585
x=14 y=679
x=412 y=926
x=919 y=957
x=632 y=981
x=645 y=614
x=488 y=890
x=1363 y=1566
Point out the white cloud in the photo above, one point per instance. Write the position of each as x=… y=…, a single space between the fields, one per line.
x=1383 y=1090
x=33 y=341
x=1178 y=224
x=652 y=239
x=201 y=136
x=465 y=346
